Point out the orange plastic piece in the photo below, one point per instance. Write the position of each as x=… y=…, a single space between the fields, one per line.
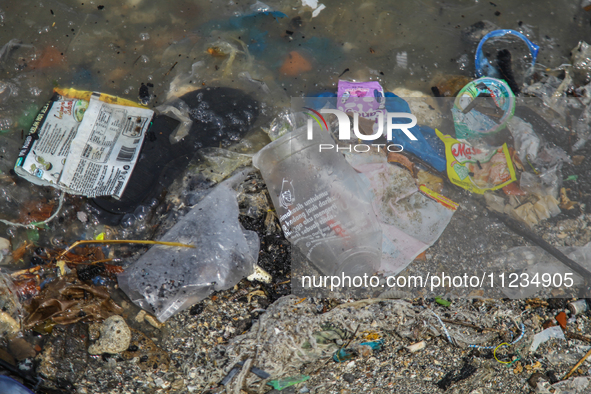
x=294 y=65
x=421 y=257
x=561 y=319
x=513 y=190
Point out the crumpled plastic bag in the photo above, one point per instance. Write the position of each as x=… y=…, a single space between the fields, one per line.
x=526 y=140
x=179 y=110
x=168 y=280
x=577 y=385
x=219 y=163
x=410 y=221
x=538 y=265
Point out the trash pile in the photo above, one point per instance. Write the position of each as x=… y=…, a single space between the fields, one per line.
x=152 y=236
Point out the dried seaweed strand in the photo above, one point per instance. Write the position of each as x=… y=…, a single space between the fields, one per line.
x=577 y=365
x=122 y=241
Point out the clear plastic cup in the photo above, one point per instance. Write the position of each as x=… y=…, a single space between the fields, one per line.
x=321 y=204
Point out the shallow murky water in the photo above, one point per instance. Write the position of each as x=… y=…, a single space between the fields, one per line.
x=115 y=47
x=273 y=52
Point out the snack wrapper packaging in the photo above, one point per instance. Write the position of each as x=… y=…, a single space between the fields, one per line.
x=476 y=168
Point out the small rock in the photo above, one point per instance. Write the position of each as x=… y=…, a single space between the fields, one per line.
x=140 y=316
x=94 y=331
x=178 y=384
x=535 y=378
x=348 y=377
x=4 y=243
x=115 y=337
x=552 y=376
x=82 y=216
x=8 y=325
x=64 y=357
x=415 y=347
x=153 y=321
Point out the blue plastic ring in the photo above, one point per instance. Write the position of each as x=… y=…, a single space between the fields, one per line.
x=481 y=62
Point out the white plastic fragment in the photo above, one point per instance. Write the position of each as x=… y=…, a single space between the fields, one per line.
x=548 y=333
x=402 y=59
x=314 y=5
x=579 y=384
x=317 y=10
x=260 y=275
x=310 y=3
x=82 y=216
x=415 y=347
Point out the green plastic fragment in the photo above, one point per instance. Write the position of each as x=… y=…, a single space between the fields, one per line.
x=33 y=235
x=280 y=384
x=26 y=119
x=572 y=178
x=442 y=301
x=41 y=225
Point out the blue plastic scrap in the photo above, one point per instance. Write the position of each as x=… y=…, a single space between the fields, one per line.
x=347 y=354
x=9 y=385
x=427 y=147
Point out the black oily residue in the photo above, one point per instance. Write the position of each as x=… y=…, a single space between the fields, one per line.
x=505 y=68
x=452 y=377
x=275 y=250
x=274 y=257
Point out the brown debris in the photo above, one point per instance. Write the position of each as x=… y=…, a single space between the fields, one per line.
x=19 y=252
x=450 y=85
x=84 y=254
x=536 y=303
x=67 y=301
x=565 y=202
x=113 y=269
x=36 y=211
x=402 y=160
x=578 y=159
x=150 y=356
x=365 y=125
x=20 y=349
x=216 y=52
x=561 y=319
